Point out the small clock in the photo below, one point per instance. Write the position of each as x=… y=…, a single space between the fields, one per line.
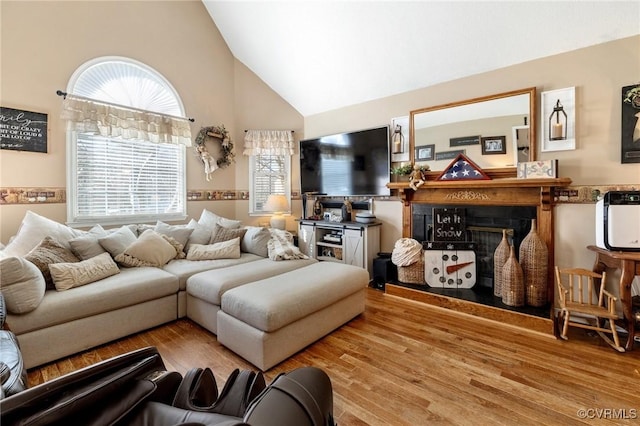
x=450 y=268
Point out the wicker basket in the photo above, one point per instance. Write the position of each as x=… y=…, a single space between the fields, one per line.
x=512 y=281
x=534 y=260
x=412 y=274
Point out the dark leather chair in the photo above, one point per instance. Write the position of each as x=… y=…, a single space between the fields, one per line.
x=135 y=389
x=13 y=375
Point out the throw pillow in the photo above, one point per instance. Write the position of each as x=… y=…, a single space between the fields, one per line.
x=87 y=245
x=23 y=284
x=47 y=252
x=33 y=229
x=201 y=234
x=220 y=234
x=255 y=241
x=180 y=233
x=69 y=275
x=116 y=242
x=150 y=249
x=224 y=250
x=209 y=219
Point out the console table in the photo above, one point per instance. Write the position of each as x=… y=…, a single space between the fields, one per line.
x=629 y=264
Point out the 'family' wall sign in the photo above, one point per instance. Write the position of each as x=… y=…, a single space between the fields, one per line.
x=23 y=130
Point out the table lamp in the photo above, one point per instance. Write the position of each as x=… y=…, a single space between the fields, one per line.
x=277 y=204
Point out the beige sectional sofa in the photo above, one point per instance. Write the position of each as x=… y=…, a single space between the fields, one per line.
x=52 y=324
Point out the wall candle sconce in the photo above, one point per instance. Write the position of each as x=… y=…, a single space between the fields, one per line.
x=397 y=140
x=558 y=127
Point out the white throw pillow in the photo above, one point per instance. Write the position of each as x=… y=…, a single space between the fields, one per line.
x=210 y=219
x=33 y=229
x=87 y=245
x=69 y=275
x=150 y=249
x=201 y=234
x=178 y=232
x=116 y=242
x=225 y=250
x=22 y=283
x=255 y=241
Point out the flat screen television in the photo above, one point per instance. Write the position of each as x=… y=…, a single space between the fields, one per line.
x=346 y=164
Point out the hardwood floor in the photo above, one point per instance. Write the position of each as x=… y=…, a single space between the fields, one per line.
x=407 y=363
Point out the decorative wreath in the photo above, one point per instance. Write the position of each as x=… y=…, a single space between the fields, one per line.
x=222 y=135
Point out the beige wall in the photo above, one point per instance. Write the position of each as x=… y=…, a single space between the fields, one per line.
x=598 y=73
x=43 y=43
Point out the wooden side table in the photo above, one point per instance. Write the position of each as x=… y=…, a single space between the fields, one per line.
x=629 y=263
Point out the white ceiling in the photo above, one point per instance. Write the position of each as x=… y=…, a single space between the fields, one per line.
x=324 y=55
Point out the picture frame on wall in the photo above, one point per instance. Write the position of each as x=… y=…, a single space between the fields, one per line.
x=565 y=139
x=22 y=130
x=630 y=134
x=425 y=152
x=492 y=145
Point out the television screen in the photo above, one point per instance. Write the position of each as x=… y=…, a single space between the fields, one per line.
x=355 y=163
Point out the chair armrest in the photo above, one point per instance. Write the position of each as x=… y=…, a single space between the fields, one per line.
x=609 y=295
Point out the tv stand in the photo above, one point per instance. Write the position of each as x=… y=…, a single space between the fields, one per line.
x=352 y=243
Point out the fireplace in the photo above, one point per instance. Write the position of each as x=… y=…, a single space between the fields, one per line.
x=489 y=206
x=484 y=225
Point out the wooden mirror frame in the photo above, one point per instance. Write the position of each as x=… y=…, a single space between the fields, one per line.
x=493 y=172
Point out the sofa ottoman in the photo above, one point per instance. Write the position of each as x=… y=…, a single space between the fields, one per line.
x=269 y=320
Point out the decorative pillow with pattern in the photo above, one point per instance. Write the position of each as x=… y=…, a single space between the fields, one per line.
x=223 y=250
x=70 y=275
x=47 y=252
x=220 y=234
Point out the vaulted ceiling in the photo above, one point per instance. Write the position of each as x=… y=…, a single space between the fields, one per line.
x=325 y=55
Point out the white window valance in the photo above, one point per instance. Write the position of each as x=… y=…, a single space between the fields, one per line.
x=268 y=142
x=97 y=117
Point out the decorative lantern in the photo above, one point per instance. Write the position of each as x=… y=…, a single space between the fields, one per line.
x=397 y=140
x=558 y=123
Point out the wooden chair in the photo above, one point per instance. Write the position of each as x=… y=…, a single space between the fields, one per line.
x=578 y=302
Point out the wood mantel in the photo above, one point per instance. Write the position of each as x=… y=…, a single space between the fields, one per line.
x=493 y=192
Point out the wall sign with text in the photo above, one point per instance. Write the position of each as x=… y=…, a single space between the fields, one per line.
x=22 y=130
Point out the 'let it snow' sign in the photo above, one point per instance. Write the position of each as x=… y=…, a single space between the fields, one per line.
x=449 y=224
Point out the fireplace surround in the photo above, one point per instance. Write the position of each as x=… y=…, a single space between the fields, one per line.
x=490 y=205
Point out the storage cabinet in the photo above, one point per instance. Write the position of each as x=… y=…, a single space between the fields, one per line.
x=352 y=243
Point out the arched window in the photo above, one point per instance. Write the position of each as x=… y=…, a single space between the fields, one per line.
x=120 y=171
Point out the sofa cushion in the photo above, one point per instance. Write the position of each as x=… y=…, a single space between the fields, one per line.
x=255 y=240
x=150 y=249
x=33 y=229
x=117 y=241
x=22 y=284
x=69 y=275
x=275 y=302
x=220 y=234
x=210 y=219
x=87 y=245
x=47 y=252
x=211 y=285
x=223 y=250
x=130 y=287
x=183 y=268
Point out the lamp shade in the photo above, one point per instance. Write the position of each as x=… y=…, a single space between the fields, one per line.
x=276 y=203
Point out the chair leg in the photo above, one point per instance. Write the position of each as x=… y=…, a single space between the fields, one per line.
x=617 y=346
x=565 y=327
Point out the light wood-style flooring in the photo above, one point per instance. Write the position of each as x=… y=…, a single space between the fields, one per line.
x=407 y=363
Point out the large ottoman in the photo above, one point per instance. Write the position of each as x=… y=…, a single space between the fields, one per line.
x=269 y=320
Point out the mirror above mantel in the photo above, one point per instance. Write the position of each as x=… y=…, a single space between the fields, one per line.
x=496 y=132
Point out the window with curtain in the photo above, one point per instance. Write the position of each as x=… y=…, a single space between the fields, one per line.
x=126 y=139
x=269 y=154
